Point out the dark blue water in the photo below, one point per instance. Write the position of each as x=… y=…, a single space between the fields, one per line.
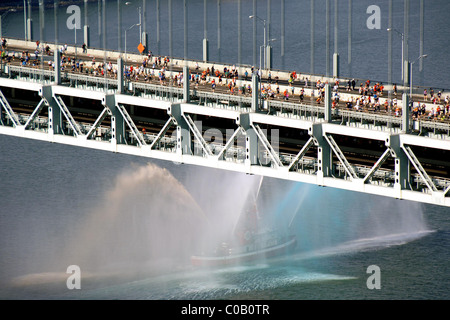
x=50 y=194
x=131 y=226
x=369 y=47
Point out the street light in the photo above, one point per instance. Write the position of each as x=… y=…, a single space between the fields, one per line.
x=403 y=49
x=411 y=73
x=265 y=41
x=140 y=20
x=134 y=25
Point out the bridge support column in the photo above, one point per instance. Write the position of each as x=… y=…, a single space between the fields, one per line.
x=324 y=154
x=269 y=58
x=406 y=112
x=186 y=84
x=183 y=134
x=86 y=35
x=57 y=70
x=328 y=103
x=145 y=42
x=336 y=65
x=120 y=76
x=402 y=165
x=251 y=140
x=117 y=121
x=55 y=117
x=255 y=93
x=205 y=50
x=29 y=29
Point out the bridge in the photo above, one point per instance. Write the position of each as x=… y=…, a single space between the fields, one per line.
x=308 y=140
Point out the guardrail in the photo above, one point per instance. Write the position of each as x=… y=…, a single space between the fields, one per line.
x=279 y=107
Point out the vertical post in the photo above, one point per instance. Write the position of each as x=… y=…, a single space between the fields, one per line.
x=255 y=92
x=158 y=22
x=57 y=57
x=117 y=122
x=41 y=21
x=327 y=45
x=104 y=42
x=86 y=24
x=390 y=26
x=186 y=84
x=312 y=37
x=185 y=12
x=324 y=154
x=25 y=19
x=219 y=28
x=205 y=35
x=120 y=76
x=406 y=31
x=170 y=31
x=328 y=102
x=336 y=65
x=336 y=52
x=402 y=165
x=99 y=16
x=283 y=27
x=269 y=18
x=405 y=113
x=239 y=34
x=144 y=26
x=254 y=33
x=350 y=35
x=119 y=26
x=29 y=23
x=55 y=14
x=421 y=38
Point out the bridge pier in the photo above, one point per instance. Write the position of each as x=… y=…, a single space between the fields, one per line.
x=402 y=165
x=183 y=134
x=55 y=118
x=117 y=121
x=324 y=154
x=251 y=140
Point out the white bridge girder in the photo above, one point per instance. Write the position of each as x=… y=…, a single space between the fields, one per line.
x=249 y=126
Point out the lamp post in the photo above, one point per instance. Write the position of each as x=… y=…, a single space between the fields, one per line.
x=140 y=20
x=25 y=18
x=265 y=41
x=134 y=25
x=403 y=49
x=411 y=73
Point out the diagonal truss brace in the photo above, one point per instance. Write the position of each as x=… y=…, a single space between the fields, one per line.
x=12 y=115
x=197 y=134
x=62 y=106
x=416 y=163
x=131 y=125
x=267 y=145
x=229 y=142
x=162 y=132
x=377 y=165
x=302 y=152
x=36 y=111
x=99 y=120
x=340 y=155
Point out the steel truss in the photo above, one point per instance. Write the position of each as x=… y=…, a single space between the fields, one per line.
x=248 y=149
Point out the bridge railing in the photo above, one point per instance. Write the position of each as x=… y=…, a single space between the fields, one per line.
x=212 y=99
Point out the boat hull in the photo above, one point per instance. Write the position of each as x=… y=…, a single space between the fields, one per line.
x=212 y=261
